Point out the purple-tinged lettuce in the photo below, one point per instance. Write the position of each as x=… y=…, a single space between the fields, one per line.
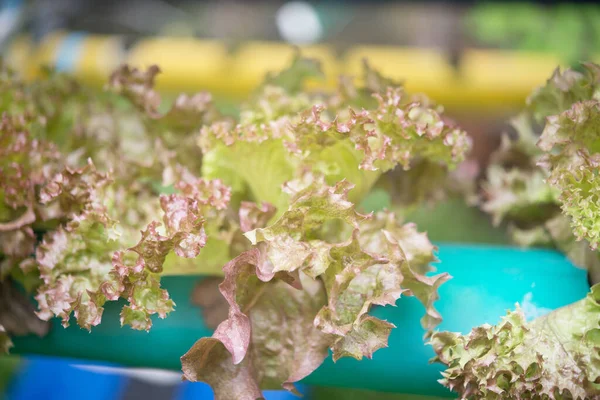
x=528 y=196
x=555 y=356
x=320 y=249
x=275 y=205
x=82 y=264
x=186 y=114
x=89 y=199
x=178 y=127
x=571 y=140
x=282 y=132
x=253 y=216
x=26 y=164
x=268 y=340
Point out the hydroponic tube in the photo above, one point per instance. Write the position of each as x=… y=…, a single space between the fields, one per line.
x=486 y=282
x=484 y=78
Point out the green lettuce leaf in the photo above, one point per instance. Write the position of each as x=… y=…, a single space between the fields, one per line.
x=177 y=128
x=283 y=133
x=82 y=265
x=320 y=249
x=573 y=165
x=562 y=90
x=553 y=357
x=528 y=188
x=83 y=169
x=108 y=181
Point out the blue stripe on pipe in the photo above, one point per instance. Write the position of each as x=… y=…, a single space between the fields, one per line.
x=47 y=378
x=285 y=395
x=68 y=52
x=202 y=391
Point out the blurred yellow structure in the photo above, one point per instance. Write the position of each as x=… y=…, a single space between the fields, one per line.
x=482 y=79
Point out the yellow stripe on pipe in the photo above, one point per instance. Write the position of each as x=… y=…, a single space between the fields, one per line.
x=98 y=58
x=506 y=75
x=254 y=60
x=485 y=78
x=19 y=53
x=45 y=54
x=421 y=69
x=187 y=64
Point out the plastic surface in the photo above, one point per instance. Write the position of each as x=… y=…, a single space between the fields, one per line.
x=483 y=79
x=49 y=378
x=487 y=281
x=200 y=390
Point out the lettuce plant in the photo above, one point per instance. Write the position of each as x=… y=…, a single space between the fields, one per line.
x=524 y=190
x=545 y=184
x=104 y=193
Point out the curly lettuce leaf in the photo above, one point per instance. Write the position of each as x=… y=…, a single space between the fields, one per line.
x=562 y=90
x=76 y=192
x=518 y=195
x=186 y=114
x=72 y=264
x=49 y=106
x=224 y=225
x=25 y=163
x=253 y=216
x=82 y=264
x=404 y=133
x=178 y=127
x=571 y=140
x=320 y=248
x=313 y=266
x=283 y=133
x=515 y=190
x=84 y=170
x=350 y=95
x=554 y=357
x=527 y=188
x=268 y=339
x=326 y=153
x=90 y=216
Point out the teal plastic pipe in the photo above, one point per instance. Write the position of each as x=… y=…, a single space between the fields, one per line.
x=486 y=282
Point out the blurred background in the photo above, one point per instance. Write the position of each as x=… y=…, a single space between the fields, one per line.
x=479 y=59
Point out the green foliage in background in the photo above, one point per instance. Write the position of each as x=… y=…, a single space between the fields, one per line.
x=572 y=31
